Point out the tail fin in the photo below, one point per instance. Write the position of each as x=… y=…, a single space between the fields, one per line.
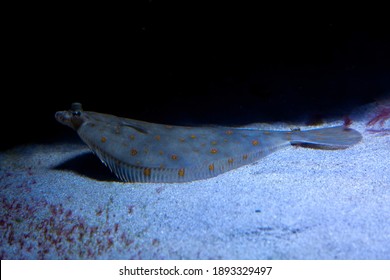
x=338 y=137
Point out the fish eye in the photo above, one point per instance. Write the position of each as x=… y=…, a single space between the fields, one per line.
x=76 y=113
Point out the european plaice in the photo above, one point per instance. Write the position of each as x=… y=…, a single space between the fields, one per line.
x=138 y=151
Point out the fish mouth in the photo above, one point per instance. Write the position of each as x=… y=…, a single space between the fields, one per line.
x=62 y=117
x=59 y=116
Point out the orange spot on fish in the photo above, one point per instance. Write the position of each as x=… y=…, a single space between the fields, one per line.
x=174 y=157
x=211 y=167
x=230 y=161
x=133 y=152
x=157 y=137
x=213 y=142
x=245 y=157
x=229 y=132
x=104 y=139
x=161 y=153
x=132 y=137
x=193 y=136
x=213 y=151
x=181 y=172
x=255 y=142
x=147 y=172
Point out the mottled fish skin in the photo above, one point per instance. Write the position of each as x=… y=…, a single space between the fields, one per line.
x=138 y=151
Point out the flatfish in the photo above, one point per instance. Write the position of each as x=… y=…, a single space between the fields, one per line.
x=138 y=151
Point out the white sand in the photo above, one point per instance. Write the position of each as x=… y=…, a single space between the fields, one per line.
x=296 y=203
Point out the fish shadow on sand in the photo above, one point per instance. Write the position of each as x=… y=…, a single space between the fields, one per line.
x=87 y=165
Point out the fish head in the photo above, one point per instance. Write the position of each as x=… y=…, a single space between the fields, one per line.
x=73 y=118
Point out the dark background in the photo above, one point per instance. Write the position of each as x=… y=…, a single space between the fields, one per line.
x=191 y=64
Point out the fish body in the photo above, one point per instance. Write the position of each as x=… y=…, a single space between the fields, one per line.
x=138 y=151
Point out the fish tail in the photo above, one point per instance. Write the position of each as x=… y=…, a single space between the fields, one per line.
x=338 y=137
